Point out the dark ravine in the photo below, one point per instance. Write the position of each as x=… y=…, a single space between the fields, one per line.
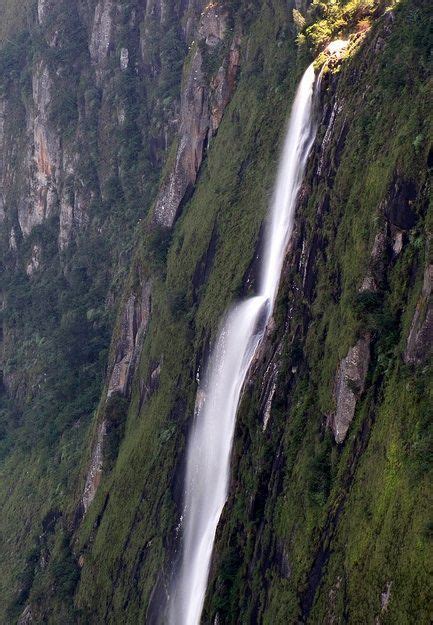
x=138 y=147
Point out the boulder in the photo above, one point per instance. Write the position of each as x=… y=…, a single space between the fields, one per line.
x=349 y=385
x=420 y=339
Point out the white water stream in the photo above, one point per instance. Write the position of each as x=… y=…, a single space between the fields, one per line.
x=211 y=438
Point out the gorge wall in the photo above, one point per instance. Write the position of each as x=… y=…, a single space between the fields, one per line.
x=138 y=148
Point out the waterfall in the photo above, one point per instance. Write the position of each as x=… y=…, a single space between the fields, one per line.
x=211 y=438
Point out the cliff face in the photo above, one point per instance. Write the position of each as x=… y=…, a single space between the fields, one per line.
x=324 y=504
x=202 y=106
x=138 y=143
x=92 y=101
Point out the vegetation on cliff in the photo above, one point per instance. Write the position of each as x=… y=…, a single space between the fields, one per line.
x=313 y=531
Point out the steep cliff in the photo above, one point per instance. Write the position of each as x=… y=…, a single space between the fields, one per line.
x=138 y=146
x=329 y=515
x=92 y=101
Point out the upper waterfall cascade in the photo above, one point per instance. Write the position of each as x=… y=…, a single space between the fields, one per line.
x=211 y=438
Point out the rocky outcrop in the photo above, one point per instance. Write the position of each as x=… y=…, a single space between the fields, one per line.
x=336 y=110
x=420 y=340
x=133 y=325
x=192 y=135
x=349 y=385
x=376 y=269
x=74 y=201
x=94 y=473
x=35 y=260
x=385 y=597
x=43 y=158
x=26 y=617
x=203 y=101
x=223 y=86
x=68 y=217
x=100 y=39
x=270 y=397
x=13 y=240
x=2 y=160
x=399 y=206
x=398 y=211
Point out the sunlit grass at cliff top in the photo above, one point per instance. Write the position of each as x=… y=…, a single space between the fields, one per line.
x=326 y=20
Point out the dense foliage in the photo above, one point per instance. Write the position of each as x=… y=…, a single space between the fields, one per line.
x=326 y=20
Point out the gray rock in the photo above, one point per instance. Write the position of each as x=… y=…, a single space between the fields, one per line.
x=349 y=385
x=101 y=35
x=43 y=157
x=420 y=339
x=94 y=472
x=377 y=265
x=124 y=59
x=193 y=132
x=397 y=244
x=133 y=326
x=202 y=108
x=26 y=617
x=35 y=260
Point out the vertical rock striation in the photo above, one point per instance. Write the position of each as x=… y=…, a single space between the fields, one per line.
x=94 y=472
x=133 y=325
x=203 y=101
x=349 y=385
x=420 y=340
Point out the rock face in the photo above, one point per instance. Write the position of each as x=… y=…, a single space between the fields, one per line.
x=399 y=209
x=73 y=216
x=349 y=385
x=202 y=107
x=133 y=325
x=35 y=260
x=420 y=340
x=193 y=132
x=43 y=160
x=26 y=617
x=94 y=473
x=374 y=278
x=101 y=35
x=43 y=9
x=52 y=159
